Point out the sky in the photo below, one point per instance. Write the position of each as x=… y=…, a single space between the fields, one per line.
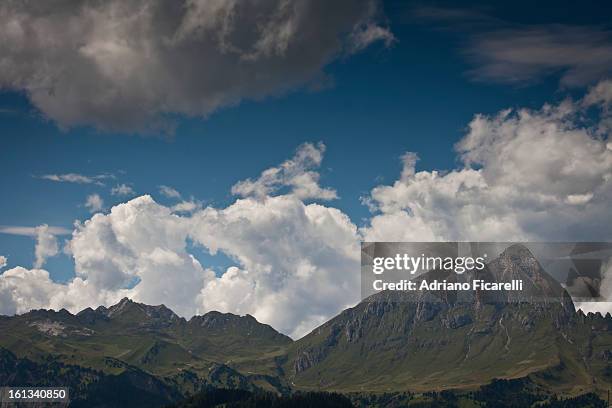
x=231 y=155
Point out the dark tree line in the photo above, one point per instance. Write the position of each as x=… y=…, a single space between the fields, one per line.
x=215 y=397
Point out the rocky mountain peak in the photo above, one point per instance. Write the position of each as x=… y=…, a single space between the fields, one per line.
x=140 y=313
x=119 y=307
x=518 y=263
x=217 y=322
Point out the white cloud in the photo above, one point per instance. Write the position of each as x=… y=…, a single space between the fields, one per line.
x=31 y=231
x=77 y=178
x=128 y=65
x=46 y=245
x=298 y=263
x=140 y=242
x=526 y=175
x=22 y=290
x=122 y=190
x=187 y=206
x=94 y=203
x=169 y=192
x=3 y=261
x=297 y=174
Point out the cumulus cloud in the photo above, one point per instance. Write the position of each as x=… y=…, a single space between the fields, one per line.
x=298 y=263
x=128 y=65
x=94 y=203
x=22 y=290
x=46 y=245
x=122 y=190
x=140 y=247
x=527 y=175
x=169 y=192
x=297 y=174
x=187 y=206
x=76 y=178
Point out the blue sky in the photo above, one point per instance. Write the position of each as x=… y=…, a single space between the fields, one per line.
x=418 y=93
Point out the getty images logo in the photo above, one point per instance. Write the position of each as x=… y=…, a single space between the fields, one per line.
x=414 y=264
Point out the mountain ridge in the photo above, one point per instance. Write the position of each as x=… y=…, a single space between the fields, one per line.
x=389 y=342
x=155 y=312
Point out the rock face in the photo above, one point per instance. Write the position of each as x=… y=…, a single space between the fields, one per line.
x=216 y=323
x=139 y=315
x=445 y=339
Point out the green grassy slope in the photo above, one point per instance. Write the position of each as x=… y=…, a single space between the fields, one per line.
x=151 y=338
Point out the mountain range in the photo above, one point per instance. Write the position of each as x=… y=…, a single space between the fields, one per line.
x=391 y=342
